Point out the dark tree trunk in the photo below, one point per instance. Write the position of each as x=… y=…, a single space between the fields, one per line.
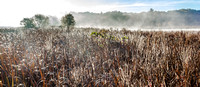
x=68 y=28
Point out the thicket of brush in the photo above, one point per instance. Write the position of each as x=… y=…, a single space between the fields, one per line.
x=91 y=57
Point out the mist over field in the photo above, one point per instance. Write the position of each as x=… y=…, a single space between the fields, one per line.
x=152 y=19
x=183 y=18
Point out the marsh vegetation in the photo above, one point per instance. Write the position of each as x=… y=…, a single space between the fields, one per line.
x=99 y=57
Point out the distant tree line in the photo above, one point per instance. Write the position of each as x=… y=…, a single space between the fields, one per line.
x=152 y=18
x=42 y=21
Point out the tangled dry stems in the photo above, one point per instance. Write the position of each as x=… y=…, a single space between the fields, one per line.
x=58 y=58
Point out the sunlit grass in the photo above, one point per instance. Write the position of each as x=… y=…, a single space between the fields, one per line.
x=109 y=58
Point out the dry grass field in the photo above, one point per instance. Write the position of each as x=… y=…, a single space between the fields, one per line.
x=94 y=57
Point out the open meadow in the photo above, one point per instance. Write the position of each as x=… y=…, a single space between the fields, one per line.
x=98 y=57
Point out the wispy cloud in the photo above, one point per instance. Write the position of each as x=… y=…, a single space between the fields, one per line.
x=144 y=6
x=152 y=4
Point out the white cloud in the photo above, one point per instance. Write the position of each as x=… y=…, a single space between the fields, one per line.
x=87 y=3
x=12 y=11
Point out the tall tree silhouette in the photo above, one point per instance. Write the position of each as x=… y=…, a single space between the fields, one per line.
x=68 y=21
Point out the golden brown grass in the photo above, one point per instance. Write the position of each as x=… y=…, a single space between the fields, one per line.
x=124 y=58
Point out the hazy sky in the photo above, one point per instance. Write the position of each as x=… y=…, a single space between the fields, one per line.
x=12 y=11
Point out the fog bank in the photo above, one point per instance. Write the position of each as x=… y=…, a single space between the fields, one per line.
x=183 y=18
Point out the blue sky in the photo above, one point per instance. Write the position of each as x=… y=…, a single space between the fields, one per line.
x=162 y=5
x=13 y=11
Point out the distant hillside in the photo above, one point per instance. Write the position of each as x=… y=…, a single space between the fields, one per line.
x=183 y=18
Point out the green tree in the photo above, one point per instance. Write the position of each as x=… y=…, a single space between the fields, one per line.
x=68 y=21
x=28 y=23
x=151 y=10
x=41 y=21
